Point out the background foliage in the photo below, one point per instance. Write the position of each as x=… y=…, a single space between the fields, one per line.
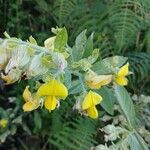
x=120 y=27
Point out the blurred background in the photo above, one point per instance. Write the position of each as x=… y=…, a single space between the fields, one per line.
x=120 y=27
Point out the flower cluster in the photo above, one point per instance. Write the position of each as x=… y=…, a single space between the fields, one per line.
x=51 y=92
x=25 y=60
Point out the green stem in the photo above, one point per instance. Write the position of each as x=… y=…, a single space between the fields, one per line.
x=38 y=48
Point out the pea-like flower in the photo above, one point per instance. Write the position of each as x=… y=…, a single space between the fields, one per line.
x=31 y=101
x=95 y=81
x=52 y=92
x=120 y=78
x=89 y=104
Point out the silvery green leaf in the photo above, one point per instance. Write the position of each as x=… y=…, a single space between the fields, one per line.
x=67 y=78
x=134 y=143
x=88 y=46
x=115 y=61
x=75 y=87
x=3 y=136
x=126 y=104
x=60 y=40
x=78 y=49
x=102 y=68
x=108 y=99
x=94 y=56
x=59 y=61
x=20 y=57
x=36 y=67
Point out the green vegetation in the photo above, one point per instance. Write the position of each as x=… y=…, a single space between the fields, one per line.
x=96 y=37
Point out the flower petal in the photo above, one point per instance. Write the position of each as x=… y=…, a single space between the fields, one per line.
x=92 y=112
x=90 y=100
x=124 y=70
x=121 y=81
x=53 y=88
x=50 y=103
x=99 y=80
x=29 y=106
x=27 y=94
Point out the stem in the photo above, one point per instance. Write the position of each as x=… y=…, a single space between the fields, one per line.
x=38 y=48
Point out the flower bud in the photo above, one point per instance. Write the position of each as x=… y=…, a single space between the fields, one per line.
x=3 y=123
x=49 y=43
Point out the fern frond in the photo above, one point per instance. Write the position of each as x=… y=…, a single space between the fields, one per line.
x=140 y=66
x=62 y=10
x=77 y=134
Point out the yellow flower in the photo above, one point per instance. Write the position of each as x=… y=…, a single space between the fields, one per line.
x=89 y=104
x=120 y=78
x=52 y=91
x=3 y=123
x=6 y=78
x=32 y=102
x=95 y=81
x=12 y=76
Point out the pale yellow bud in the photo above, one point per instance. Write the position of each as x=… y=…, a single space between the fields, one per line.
x=49 y=43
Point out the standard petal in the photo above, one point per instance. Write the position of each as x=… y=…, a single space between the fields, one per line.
x=53 y=88
x=27 y=94
x=90 y=100
x=92 y=112
x=124 y=70
x=96 y=98
x=29 y=106
x=50 y=103
x=121 y=81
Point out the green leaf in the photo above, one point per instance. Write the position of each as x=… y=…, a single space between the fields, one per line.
x=75 y=87
x=108 y=65
x=101 y=68
x=94 y=56
x=134 y=143
x=32 y=40
x=61 y=40
x=37 y=120
x=67 y=78
x=142 y=143
x=115 y=61
x=78 y=49
x=126 y=104
x=108 y=99
x=4 y=135
x=88 y=46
